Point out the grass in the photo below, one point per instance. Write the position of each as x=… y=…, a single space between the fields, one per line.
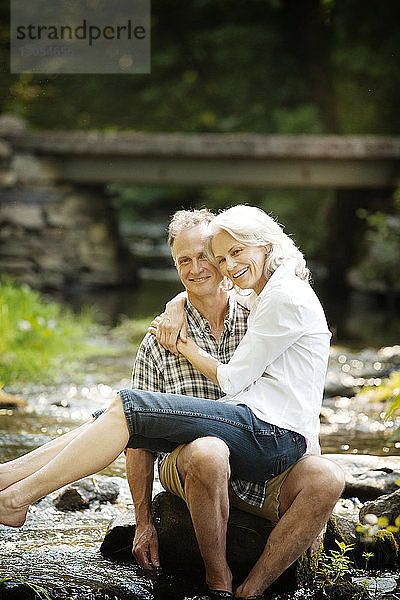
x=131 y=331
x=39 y=340
x=39 y=591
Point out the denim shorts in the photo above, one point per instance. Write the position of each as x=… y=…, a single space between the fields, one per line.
x=161 y=422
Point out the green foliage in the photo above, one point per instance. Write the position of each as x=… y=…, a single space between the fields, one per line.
x=133 y=201
x=383 y=237
x=388 y=391
x=267 y=67
x=336 y=566
x=336 y=572
x=38 y=340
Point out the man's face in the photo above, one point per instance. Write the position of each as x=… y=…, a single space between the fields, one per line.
x=197 y=274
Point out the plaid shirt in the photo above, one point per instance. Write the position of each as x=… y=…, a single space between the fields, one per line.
x=157 y=370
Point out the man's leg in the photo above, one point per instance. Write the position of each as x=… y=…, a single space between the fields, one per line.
x=203 y=467
x=140 y=474
x=307 y=498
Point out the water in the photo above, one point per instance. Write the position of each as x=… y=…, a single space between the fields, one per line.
x=60 y=551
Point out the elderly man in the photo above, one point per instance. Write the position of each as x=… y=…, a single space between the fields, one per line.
x=299 y=501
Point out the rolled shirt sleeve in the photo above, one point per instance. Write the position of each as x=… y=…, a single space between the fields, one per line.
x=277 y=324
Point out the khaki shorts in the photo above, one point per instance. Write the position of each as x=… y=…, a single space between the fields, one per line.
x=171 y=481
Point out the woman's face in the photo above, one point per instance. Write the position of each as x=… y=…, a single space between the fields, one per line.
x=243 y=264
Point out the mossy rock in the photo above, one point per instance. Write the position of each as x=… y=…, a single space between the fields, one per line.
x=383 y=546
x=345 y=590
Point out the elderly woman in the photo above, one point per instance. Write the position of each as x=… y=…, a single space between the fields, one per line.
x=273 y=383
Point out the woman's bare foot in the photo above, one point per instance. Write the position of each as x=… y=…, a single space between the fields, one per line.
x=11 y=514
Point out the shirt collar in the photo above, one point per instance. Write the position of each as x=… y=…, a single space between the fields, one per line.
x=195 y=316
x=282 y=272
x=202 y=322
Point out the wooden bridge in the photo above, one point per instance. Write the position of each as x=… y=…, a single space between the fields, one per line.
x=58 y=227
x=212 y=159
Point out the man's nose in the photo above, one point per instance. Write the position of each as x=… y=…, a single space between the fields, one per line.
x=196 y=265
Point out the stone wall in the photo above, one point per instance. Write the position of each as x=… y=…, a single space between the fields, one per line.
x=54 y=235
x=61 y=237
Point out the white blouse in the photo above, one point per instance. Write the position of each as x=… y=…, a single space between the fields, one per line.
x=279 y=367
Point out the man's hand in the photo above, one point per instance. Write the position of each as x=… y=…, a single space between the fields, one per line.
x=145 y=547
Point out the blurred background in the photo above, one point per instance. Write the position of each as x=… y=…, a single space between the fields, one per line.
x=279 y=67
x=80 y=228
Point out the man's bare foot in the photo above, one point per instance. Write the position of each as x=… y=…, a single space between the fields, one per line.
x=11 y=514
x=242 y=592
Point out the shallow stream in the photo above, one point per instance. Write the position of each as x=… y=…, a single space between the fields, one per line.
x=59 y=551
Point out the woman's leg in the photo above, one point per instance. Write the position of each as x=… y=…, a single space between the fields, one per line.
x=23 y=466
x=94 y=449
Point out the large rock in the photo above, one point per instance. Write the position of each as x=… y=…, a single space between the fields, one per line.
x=383 y=546
x=117 y=543
x=11 y=125
x=385 y=506
x=368 y=477
x=246 y=539
x=28 y=216
x=79 y=495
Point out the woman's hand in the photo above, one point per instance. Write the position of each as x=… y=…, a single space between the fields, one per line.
x=171 y=325
x=199 y=358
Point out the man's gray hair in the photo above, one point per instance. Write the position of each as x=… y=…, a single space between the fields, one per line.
x=185 y=219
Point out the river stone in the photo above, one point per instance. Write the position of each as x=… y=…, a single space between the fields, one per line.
x=118 y=540
x=246 y=539
x=368 y=477
x=5 y=150
x=385 y=506
x=9 y=401
x=11 y=125
x=11 y=590
x=79 y=495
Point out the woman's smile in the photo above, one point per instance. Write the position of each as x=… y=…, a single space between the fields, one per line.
x=242 y=263
x=240 y=273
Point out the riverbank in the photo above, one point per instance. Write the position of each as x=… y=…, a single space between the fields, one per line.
x=60 y=551
x=40 y=340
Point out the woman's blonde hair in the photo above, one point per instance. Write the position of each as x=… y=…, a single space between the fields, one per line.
x=252 y=226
